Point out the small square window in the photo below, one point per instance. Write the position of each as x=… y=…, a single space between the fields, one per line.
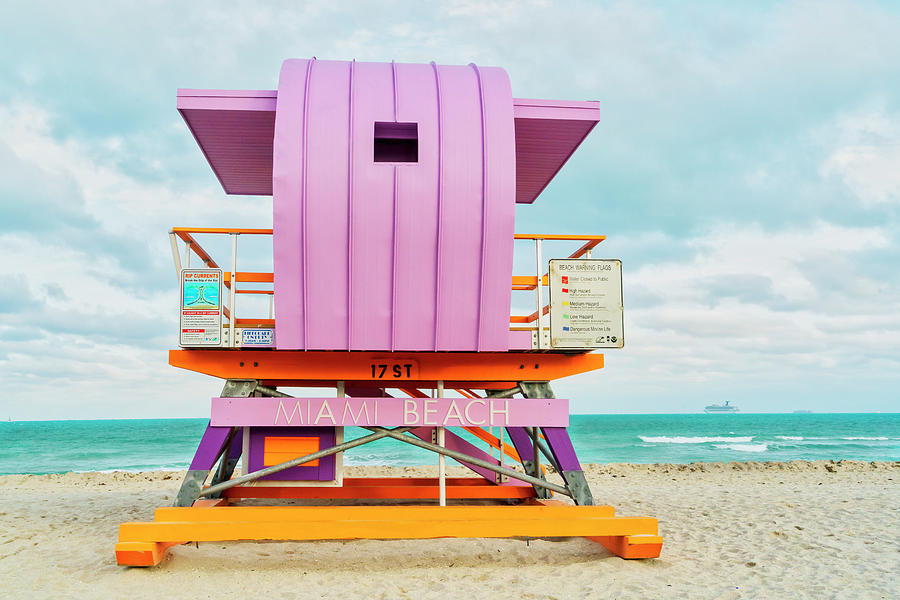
x=396 y=142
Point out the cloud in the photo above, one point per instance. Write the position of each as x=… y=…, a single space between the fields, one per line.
x=755 y=307
x=866 y=157
x=745 y=169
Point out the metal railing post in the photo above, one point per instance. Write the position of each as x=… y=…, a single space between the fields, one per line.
x=232 y=339
x=540 y=293
x=442 y=463
x=174 y=241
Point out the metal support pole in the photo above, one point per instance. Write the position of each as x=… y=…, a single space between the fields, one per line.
x=442 y=464
x=187 y=255
x=215 y=489
x=500 y=477
x=232 y=339
x=545 y=450
x=536 y=451
x=173 y=240
x=271 y=392
x=462 y=457
x=503 y=393
x=339 y=439
x=491 y=451
x=540 y=294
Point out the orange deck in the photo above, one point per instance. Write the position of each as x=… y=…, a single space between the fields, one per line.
x=460 y=369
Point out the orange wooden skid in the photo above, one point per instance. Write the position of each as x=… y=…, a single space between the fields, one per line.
x=296 y=365
x=534 y=519
x=149 y=554
x=419 y=513
x=631 y=546
x=142 y=554
x=390 y=488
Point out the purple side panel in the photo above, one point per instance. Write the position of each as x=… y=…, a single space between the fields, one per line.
x=237 y=445
x=454 y=442
x=498 y=210
x=210 y=447
x=326 y=207
x=323 y=472
x=371 y=212
x=286 y=186
x=521 y=441
x=561 y=447
x=417 y=219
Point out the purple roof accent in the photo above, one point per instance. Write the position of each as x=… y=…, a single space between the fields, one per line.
x=547 y=133
x=235 y=128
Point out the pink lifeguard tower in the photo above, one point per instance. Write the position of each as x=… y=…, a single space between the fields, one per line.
x=394 y=189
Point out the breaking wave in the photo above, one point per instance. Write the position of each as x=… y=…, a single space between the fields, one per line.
x=692 y=440
x=743 y=447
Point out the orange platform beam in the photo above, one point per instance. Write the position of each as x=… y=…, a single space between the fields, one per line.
x=299 y=366
x=396 y=488
x=172 y=525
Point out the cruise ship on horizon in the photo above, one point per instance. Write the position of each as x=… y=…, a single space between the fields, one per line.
x=721 y=408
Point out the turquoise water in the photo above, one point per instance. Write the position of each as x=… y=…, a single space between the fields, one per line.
x=148 y=444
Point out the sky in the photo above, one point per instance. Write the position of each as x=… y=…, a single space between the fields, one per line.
x=746 y=171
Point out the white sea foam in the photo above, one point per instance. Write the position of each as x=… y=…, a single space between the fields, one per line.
x=790 y=438
x=864 y=438
x=692 y=440
x=743 y=447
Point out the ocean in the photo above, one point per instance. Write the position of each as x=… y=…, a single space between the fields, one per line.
x=41 y=447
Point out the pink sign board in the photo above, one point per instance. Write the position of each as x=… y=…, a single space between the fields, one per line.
x=391 y=412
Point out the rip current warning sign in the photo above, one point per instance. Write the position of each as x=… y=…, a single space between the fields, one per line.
x=586 y=303
x=200 y=322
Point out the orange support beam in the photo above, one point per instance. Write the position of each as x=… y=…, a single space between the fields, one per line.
x=254 y=323
x=494 y=441
x=457 y=367
x=395 y=488
x=249 y=277
x=180 y=231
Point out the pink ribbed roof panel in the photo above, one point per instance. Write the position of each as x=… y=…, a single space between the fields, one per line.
x=385 y=250
x=235 y=129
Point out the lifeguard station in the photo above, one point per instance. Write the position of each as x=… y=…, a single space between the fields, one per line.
x=394 y=188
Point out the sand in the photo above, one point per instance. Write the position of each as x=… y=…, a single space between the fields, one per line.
x=736 y=530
